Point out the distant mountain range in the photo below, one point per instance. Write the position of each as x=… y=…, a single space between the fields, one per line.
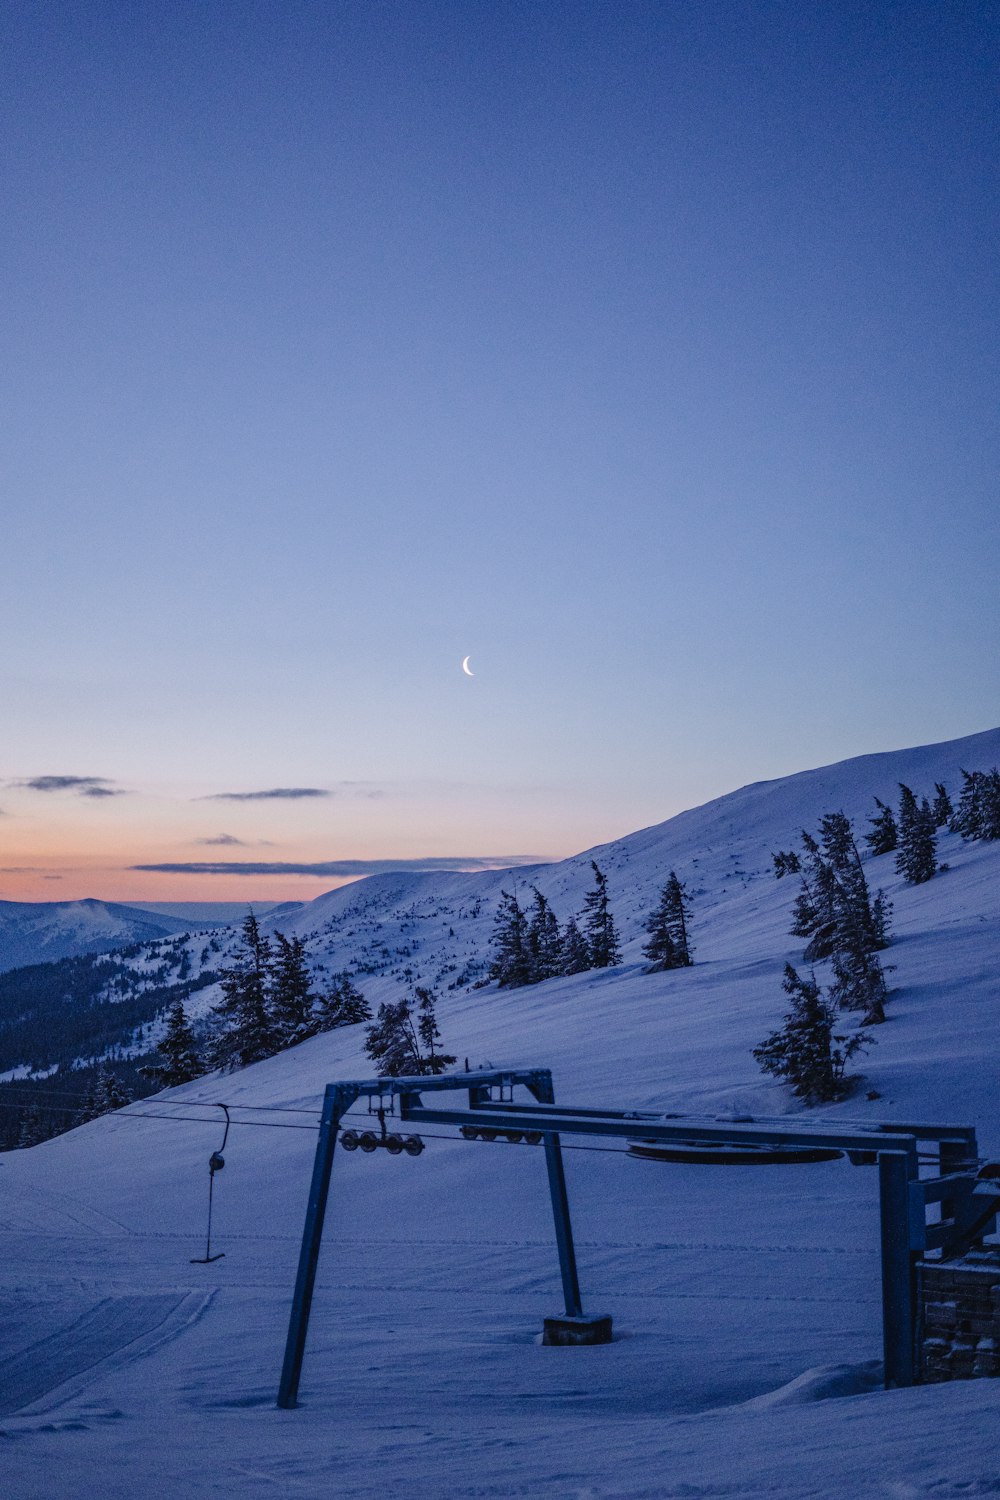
x=39 y=932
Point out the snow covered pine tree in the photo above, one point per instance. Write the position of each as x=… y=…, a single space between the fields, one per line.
x=290 y=993
x=179 y=1051
x=248 y=1031
x=599 y=925
x=394 y=1044
x=916 y=856
x=511 y=966
x=884 y=835
x=342 y=1005
x=669 y=946
x=803 y=1052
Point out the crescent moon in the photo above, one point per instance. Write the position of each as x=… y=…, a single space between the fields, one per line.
x=465 y=668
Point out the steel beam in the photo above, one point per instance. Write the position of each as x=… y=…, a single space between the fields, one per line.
x=555 y=1117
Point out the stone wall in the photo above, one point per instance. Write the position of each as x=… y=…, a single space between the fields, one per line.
x=961 y=1309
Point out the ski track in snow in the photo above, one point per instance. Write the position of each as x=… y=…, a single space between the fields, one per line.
x=111 y=1326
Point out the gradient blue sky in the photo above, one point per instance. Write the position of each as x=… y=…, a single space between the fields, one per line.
x=647 y=352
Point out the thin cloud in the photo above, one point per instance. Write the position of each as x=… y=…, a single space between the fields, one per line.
x=277 y=794
x=224 y=838
x=347 y=867
x=84 y=786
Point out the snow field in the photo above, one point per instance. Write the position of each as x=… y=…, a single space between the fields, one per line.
x=746 y=1300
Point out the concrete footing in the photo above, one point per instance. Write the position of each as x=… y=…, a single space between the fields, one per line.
x=564 y=1332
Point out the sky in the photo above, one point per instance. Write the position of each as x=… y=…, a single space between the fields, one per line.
x=643 y=353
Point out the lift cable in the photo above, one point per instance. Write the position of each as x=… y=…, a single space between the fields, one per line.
x=283 y=1109
x=130 y=1112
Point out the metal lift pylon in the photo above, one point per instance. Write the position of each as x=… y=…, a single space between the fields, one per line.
x=966 y=1206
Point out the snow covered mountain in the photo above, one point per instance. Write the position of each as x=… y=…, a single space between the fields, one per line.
x=40 y=932
x=435 y=928
x=392 y=931
x=746 y=1299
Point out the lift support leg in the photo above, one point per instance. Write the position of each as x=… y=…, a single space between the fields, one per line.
x=899 y=1297
x=333 y=1107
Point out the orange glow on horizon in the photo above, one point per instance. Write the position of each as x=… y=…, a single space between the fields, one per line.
x=62 y=847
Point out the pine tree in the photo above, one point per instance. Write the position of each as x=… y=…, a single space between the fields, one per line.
x=805 y=1052
x=860 y=928
x=178 y=1050
x=881 y=913
x=942 y=809
x=837 y=841
x=290 y=993
x=859 y=983
x=835 y=910
x=916 y=857
x=990 y=816
x=248 y=1032
x=391 y=1041
x=574 y=954
x=342 y=1005
x=511 y=965
x=105 y=1094
x=660 y=947
x=669 y=946
x=978 y=815
x=399 y=1048
x=816 y=907
x=432 y=1061
x=969 y=816
x=852 y=903
x=113 y=1093
x=679 y=914
x=599 y=925
x=786 y=862
x=32 y=1131
x=88 y=1109
x=884 y=835
x=543 y=941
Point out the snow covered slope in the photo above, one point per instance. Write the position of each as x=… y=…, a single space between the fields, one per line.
x=746 y=1300
x=393 y=930
x=40 y=932
x=435 y=928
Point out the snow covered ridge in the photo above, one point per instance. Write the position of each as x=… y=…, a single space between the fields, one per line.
x=434 y=928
